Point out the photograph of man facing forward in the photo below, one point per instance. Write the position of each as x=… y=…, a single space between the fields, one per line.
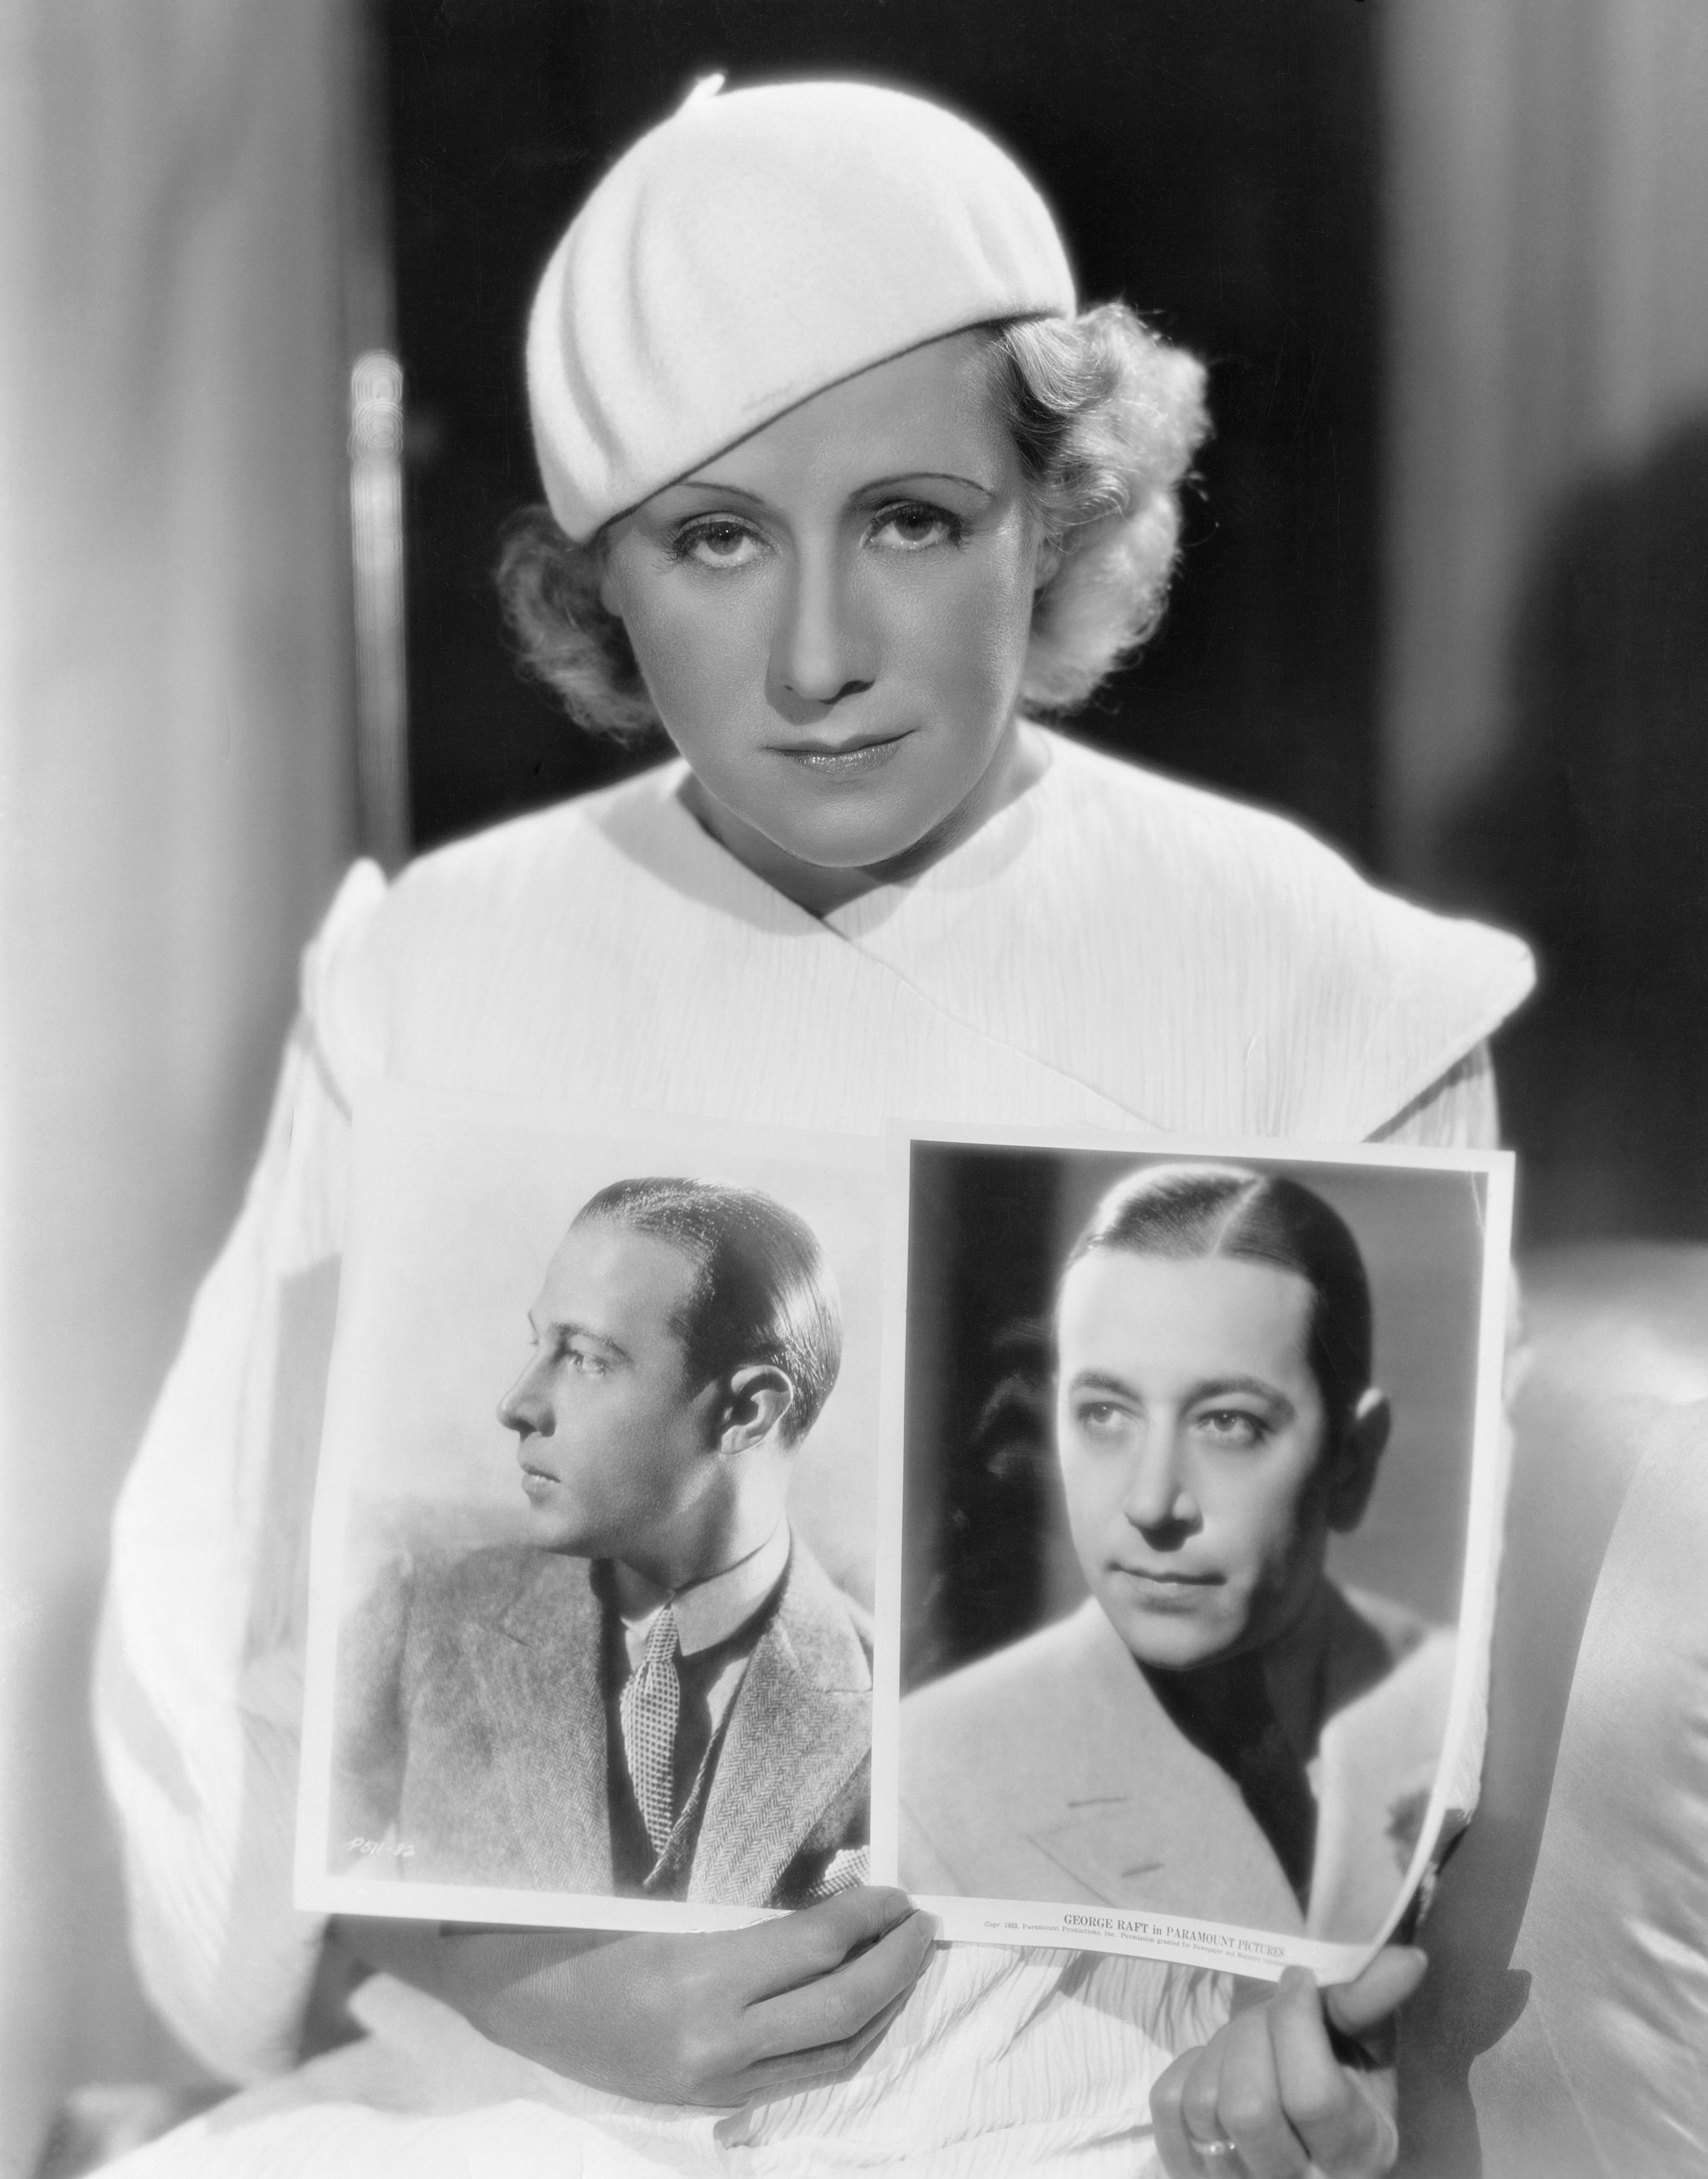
x=1220 y=1730
x=659 y=1694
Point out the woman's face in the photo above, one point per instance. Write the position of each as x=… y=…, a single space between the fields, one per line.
x=1191 y=1432
x=832 y=619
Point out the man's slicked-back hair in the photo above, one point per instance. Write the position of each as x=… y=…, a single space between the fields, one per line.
x=763 y=1292
x=1188 y=1211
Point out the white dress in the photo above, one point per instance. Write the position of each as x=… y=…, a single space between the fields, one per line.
x=1113 y=949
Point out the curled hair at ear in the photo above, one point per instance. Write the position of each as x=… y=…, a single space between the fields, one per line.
x=564 y=634
x=1106 y=418
x=763 y=1292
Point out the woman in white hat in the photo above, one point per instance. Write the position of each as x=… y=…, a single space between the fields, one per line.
x=846 y=492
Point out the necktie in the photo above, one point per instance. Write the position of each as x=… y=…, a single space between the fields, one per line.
x=651 y=1703
x=1272 y=1781
x=1225 y=1711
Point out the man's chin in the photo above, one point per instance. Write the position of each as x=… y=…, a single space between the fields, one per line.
x=1172 y=1641
x=547 y=1533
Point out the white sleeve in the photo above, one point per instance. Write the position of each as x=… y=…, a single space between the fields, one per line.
x=199 y=1677
x=1458 y=1112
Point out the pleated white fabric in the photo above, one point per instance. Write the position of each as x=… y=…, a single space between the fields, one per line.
x=1211 y=968
x=1113 y=949
x=1023 y=2068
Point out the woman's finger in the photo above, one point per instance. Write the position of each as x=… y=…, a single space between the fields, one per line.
x=1189 y=2107
x=1200 y=2095
x=770 y=1957
x=840 y=2002
x=1357 y=2007
x=1249 y=2109
x=1174 y=2142
x=1342 y=2130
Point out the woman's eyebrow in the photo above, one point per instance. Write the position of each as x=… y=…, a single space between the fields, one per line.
x=869 y=490
x=926 y=476
x=722 y=491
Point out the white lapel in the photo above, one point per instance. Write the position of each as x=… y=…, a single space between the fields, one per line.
x=1209 y=965
x=1377 y=1762
x=1113 y=949
x=668 y=978
x=1129 y=1809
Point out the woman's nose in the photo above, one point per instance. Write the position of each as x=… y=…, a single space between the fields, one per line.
x=818 y=654
x=1158 y=1496
x=525 y=1407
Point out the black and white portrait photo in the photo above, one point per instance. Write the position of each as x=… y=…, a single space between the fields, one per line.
x=1189 y=1471
x=853 y=1089
x=605 y=1662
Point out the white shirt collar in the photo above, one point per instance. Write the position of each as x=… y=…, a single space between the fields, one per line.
x=709 y=1611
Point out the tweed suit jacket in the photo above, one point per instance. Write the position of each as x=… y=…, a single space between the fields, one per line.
x=471 y=1740
x=1050 y=1771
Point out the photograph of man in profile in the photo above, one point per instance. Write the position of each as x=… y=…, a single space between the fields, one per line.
x=659 y=1692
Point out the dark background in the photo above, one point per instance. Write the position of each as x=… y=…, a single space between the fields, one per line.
x=1215 y=167
x=986 y=1553
x=1592 y=836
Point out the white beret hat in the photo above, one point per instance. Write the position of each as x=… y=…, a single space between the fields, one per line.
x=753 y=249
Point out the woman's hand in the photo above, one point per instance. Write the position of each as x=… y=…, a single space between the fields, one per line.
x=1268 y=2098
x=711 y=2019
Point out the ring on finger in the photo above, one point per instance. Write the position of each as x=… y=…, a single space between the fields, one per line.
x=1220 y=2155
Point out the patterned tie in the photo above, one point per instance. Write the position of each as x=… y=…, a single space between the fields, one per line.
x=651 y=1703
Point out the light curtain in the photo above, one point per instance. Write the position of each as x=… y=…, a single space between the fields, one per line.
x=176 y=773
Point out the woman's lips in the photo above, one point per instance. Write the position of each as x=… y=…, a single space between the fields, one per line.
x=536 y=1482
x=840 y=759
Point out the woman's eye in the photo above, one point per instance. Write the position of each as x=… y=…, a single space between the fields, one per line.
x=718 y=545
x=911 y=528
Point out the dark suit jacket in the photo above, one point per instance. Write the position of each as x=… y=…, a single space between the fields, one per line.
x=1050 y=1771
x=471 y=1735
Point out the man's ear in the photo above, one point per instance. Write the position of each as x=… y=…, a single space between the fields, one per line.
x=756 y=1397
x=1352 y=1475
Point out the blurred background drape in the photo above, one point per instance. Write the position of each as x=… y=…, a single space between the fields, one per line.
x=177 y=739
x=1545 y=754
x=175 y=760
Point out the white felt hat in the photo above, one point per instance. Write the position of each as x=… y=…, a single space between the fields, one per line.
x=753 y=249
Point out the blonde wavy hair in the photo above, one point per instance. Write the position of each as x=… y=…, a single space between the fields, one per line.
x=1106 y=419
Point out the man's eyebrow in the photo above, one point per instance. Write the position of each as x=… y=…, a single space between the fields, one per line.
x=567 y=1328
x=1206 y=1388
x=1102 y=1380
x=1238 y=1381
